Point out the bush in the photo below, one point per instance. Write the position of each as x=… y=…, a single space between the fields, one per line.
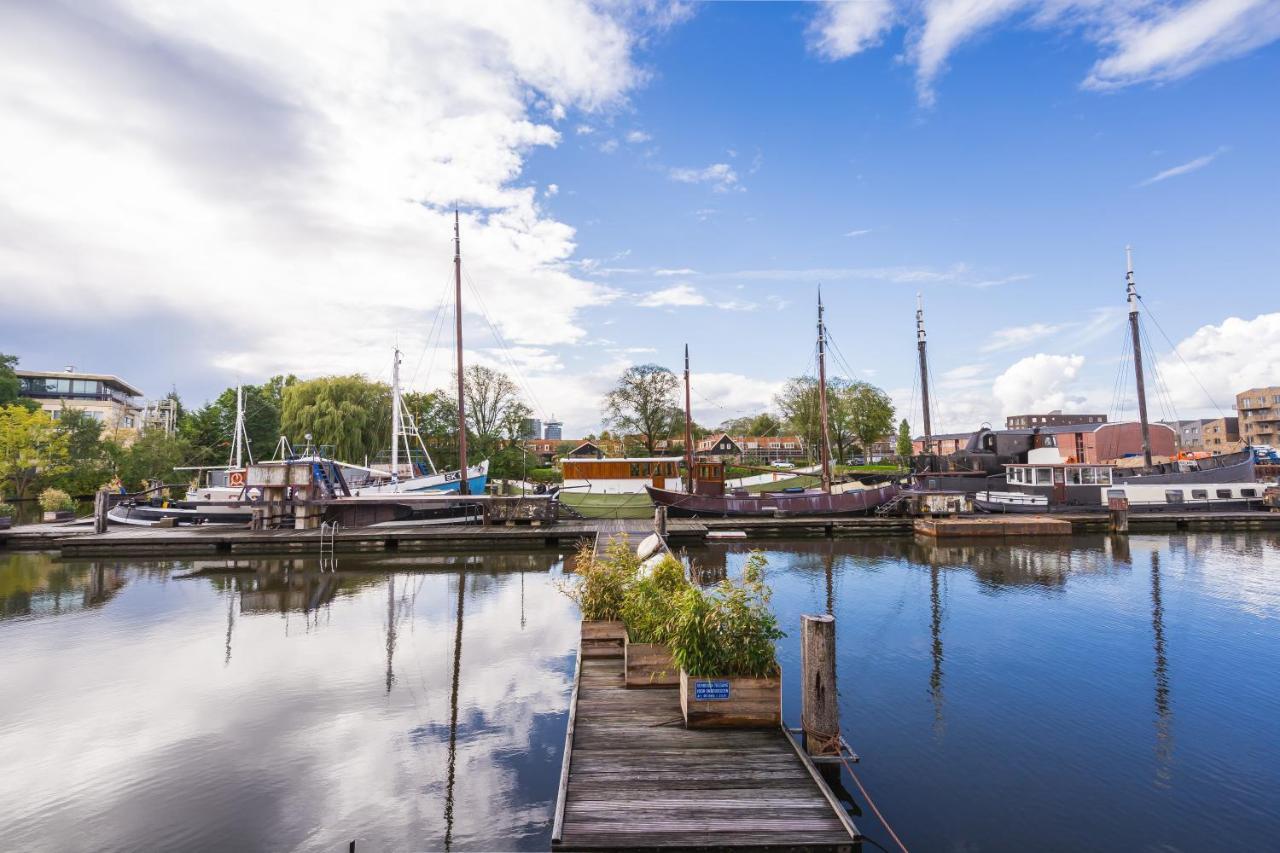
x=8 y=510
x=601 y=583
x=728 y=630
x=649 y=604
x=544 y=475
x=56 y=500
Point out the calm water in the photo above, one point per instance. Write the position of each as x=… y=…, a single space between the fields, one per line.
x=1075 y=695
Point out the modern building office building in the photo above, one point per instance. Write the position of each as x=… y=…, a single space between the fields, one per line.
x=108 y=398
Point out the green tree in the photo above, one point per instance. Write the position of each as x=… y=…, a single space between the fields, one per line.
x=32 y=450
x=904 y=439
x=9 y=384
x=644 y=402
x=90 y=464
x=798 y=403
x=209 y=429
x=867 y=413
x=757 y=425
x=350 y=413
x=153 y=456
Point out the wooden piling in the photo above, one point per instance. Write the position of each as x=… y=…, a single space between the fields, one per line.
x=1118 y=508
x=819 y=710
x=101 y=504
x=660 y=521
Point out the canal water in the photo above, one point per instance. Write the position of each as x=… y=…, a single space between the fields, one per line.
x=1084 y=694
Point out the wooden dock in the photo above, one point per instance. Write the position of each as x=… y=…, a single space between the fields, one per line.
x=994 y=525
x=634 y=778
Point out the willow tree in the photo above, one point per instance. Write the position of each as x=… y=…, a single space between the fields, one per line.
x=350 y=413
x=644 y=402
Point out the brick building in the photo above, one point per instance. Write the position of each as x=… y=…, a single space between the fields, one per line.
x=1259 y=412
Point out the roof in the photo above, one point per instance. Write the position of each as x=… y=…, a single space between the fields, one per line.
x=67 y=374
x=630 y=459
x=944 y=436
x=1058 y=429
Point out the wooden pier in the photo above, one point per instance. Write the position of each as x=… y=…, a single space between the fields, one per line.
x=634 y=778
x=994 y=525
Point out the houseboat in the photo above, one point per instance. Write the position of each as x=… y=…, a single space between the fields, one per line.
x=616 y=487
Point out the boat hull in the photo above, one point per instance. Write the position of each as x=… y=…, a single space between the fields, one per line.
x=770 y=504
x=443 y=483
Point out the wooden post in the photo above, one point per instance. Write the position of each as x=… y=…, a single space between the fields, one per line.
x=101 y=503
x=1119 y=509
x=819 y=711
x=660 y=521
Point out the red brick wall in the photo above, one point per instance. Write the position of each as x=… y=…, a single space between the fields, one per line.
x=1116 y=440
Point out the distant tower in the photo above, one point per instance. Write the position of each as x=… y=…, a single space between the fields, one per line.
x=553 y=430
x=531 y=428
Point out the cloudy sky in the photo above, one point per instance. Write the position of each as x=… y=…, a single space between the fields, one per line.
x=196 y=193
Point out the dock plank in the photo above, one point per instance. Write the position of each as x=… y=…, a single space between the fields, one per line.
x=636 y=778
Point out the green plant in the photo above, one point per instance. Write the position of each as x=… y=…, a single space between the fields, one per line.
x=601 y=582
x=728 y=630
x=649 y=604
x=55 y=500
x=7 y=510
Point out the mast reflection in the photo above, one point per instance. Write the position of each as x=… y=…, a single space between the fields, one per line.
x=453 y=719
x=1164 y=711
x=935 y=630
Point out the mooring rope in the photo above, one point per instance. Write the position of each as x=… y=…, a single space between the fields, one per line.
x=831 y=744
x=872 y=803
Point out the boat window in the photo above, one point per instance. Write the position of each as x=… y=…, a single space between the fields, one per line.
x=635 y=470
x=1199 y=494
x=1173 y=496
x=1089 y=476
x=1224 y=493
x=1104 y=476
x=1073 y=476
x=1248 y=493
x=1044 y=476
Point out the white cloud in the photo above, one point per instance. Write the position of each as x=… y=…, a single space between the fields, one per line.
x=841 y=29
x=678 y=295
x=1039 y=383
x=221 y=164
x=551 y=190
x=717 y=397
x=996 y=282
x=680 y=271
x=720 y=176
x=584 y=129
x=635 y=137
x=609 y=146
x=1019 y=336
x=948 y=23
x=1184 y=168
x=1225 y=358
x=858 y=233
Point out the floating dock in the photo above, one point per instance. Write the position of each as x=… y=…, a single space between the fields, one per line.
x=994 y=525
x=634 y=778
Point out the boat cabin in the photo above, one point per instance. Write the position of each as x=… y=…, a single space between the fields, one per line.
x=622 y=476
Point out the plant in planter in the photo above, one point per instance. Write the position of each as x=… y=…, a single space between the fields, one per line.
x=723 y=641
x=649 y=610
x=599 y=586
x=7 y=513
x=57 y=505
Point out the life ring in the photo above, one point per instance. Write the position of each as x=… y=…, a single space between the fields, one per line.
x=236 y=478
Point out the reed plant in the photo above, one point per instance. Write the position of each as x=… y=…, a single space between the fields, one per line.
x=56 y=500
x=729 y=629
x=649 y=605
x=600 y=582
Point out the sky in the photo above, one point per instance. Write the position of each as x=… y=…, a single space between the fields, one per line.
x=202 y=193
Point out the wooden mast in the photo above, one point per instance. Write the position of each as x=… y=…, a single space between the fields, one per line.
x=688 y=424
x=1132 y=289
x=924 y=372
x=824 y=448
x=464 y=487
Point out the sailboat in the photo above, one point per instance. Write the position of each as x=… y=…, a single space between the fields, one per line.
x=706 y=495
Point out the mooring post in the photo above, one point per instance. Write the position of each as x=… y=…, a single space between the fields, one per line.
x=1119 y=509
x=101 y=502
x=660 y=521
x=819 y=711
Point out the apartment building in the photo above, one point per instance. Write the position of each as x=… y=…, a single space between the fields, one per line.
x=105 y=397
x=1258 y=410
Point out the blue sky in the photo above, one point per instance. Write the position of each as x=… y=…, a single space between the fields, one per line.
x=635 y=178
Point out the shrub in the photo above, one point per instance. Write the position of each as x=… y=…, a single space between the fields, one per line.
x=55 y=500
x=649 y=604
x=602 y=582
x=544 y=475
x=728 y=630
x=8 y=510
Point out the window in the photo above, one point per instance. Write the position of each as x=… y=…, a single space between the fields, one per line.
x=1224 y=493
x=636 y=470
x=1104 y=476
x=1073 y=476
x=1089 y=476
x=1115 y=493
x=1044 y=476
x=1199 y=494
x=1173 y=496
x=1248 y=493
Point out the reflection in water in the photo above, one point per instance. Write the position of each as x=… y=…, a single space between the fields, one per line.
x=935 y=630
x=453 y=718
x=231 y=624
x=33 y=585
x=1164 y=714
x=391 y=631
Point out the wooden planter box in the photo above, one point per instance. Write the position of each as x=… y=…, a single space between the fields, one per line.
x=731 y=702
x=603 y=638
x=650 y=665
x=60 y=515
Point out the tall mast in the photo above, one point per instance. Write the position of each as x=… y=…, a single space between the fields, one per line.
x=463 y=485
x=1132 y=289
x=396 y=427
x=924 y=371
x=824 y=447
x=237 y=443
x=688 y=427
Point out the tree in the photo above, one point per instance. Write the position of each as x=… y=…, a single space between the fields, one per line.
x=643 y=402
x=153 y=456
x=904 y=439
x=495 y=414
x=31 y=449
x=868 y=412
x=90 y=465
x=757 y=425
x=798 y=403
x=350 y=413
x=209 y=429
x=9 y=385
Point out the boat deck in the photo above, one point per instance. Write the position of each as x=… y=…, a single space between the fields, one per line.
x=634 y=778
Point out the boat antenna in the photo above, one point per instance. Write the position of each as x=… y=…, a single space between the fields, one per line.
x=688 y=423
x=924 y=370
x=824 y=448
x=463 y=484
x=1132 y=290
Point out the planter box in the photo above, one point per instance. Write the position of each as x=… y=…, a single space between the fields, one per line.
x=603 y=638
x=60 y=515
x=731 y=702
x=650 y=665
x=6 y=522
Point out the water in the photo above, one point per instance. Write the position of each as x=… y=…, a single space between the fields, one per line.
x=1045 y=696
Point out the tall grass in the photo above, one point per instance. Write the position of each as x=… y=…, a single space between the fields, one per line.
x=729 y=629
x=649 y=605
x=600 y=583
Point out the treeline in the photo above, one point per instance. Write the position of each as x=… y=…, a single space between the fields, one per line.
x=349 y=415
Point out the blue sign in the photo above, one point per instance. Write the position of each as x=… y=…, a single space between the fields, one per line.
x=710 y=691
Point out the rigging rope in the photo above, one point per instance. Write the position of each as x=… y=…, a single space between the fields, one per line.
x=1207 y=395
